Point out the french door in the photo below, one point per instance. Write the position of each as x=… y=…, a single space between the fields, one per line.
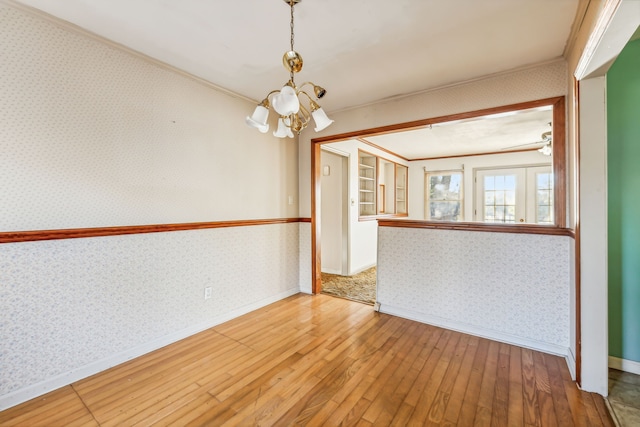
x=515 y=195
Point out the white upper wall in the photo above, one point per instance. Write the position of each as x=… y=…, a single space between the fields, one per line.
x=544 y=81
x=95 y=136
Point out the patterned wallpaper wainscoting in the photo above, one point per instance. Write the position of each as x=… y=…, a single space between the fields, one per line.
x=70 y=308
x=509 y=287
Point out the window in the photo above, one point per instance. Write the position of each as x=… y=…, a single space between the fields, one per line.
x=444 y=196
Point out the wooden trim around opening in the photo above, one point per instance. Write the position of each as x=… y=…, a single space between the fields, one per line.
x=559 y=169
x=75 y=233
x=559 y=163
x=417 y=124
x=576 y=213
x=316 y=210
x=479 y=226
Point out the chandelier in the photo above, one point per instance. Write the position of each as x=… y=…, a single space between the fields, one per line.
x=293 y=116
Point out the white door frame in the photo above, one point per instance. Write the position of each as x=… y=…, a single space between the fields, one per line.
x=617 y=22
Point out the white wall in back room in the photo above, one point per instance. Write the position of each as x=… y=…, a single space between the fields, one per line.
x=362 y=233
x=334 y=211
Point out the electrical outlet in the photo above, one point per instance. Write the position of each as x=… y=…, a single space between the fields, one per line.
x=208 y=292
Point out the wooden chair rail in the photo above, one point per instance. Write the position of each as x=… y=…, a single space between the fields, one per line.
x=478 y=226
x=74 y=233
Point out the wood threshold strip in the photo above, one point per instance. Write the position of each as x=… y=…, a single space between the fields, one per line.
x=474 y=226
x=75 y=233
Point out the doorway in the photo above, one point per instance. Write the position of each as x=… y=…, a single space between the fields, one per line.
x=614 y=28
x=623 y=233
x=342 y=274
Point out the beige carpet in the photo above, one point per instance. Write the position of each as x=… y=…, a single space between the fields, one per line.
x=360 y=287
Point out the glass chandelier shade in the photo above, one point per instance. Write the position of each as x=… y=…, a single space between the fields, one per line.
x=286 y=102
x=293 y=116
x=259 y=118
x=546 y=149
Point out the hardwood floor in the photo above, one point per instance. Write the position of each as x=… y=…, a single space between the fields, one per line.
x=319 y=360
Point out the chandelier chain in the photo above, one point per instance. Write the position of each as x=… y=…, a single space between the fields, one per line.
x=291 y=25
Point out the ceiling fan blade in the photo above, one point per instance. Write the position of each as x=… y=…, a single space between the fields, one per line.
x=523 y=145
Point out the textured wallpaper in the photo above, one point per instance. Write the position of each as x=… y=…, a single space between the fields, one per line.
x=67 y=303
x=515 y=284
x=93 y=136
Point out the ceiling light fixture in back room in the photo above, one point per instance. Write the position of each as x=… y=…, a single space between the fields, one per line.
x=286 y=101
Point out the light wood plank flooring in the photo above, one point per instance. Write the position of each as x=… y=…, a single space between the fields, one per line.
x=319 y=360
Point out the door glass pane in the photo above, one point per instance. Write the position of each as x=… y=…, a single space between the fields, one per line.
x=544 y=198
x=500 y=198
x=510 y=197
x=489 y=183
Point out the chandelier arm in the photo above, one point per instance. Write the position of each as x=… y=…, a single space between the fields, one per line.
x=317 y=90
x=307 y=84
x=305 y=115
x=268 y=97
x=313 y=104
x=305 y=93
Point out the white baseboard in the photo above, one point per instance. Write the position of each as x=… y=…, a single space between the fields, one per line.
x=360 y=270
x=331 y=271
x=32 y=391
x=544 y=347
x=570 y=358
x=624 y=365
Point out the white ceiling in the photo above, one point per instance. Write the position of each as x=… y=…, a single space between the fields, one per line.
x=361 y=51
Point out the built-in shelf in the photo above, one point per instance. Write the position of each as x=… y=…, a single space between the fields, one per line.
x=367 y=184
x=382 y=187
x=401 y=189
